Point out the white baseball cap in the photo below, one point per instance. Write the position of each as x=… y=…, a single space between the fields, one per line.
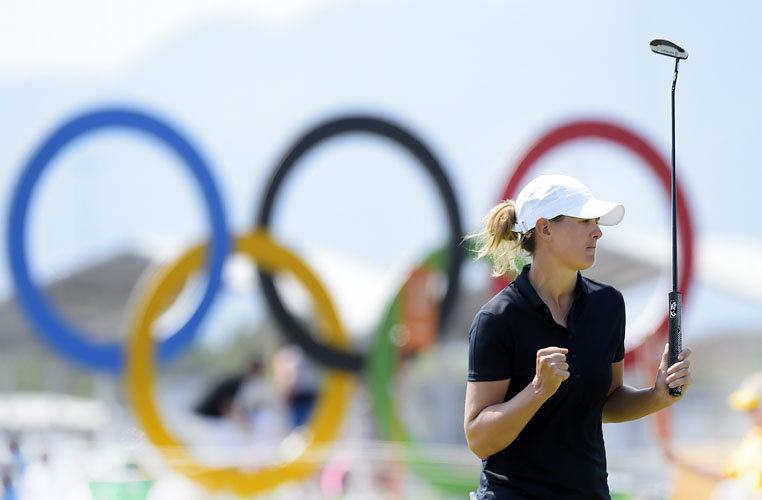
x=549 y=196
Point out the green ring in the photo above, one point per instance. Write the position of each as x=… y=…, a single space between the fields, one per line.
x=381 y=367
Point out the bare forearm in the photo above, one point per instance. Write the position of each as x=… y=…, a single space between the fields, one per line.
x=496 y=426
x=627 y=403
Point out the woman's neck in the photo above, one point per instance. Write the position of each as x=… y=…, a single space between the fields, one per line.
x=554 y=284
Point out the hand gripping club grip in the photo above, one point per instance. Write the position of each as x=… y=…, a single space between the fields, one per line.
x=675 y=333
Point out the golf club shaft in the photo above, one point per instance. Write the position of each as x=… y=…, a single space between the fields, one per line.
x=675 y=297
x=674 y=187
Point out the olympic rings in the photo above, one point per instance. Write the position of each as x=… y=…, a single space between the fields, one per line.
x=331 y=348
x=381 y=367
x=321 y=352
x=629 y=140
x=140 y=378
x=54 y=329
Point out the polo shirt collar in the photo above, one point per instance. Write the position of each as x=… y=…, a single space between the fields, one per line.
x=527 y=290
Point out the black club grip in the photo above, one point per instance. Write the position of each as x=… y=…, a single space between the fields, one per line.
x=675 y=333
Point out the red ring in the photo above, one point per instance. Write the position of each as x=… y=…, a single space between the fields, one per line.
x=584 y=129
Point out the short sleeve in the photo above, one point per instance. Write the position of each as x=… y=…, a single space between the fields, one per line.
x=621 y=323
x=490 y=349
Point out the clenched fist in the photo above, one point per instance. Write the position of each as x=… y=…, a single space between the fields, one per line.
x=551 y=369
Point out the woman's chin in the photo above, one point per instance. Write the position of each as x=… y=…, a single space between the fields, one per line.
x=587 y=263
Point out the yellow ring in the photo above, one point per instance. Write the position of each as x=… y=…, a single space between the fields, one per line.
x=140 y=378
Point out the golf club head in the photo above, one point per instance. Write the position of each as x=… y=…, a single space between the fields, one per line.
x=667 y=48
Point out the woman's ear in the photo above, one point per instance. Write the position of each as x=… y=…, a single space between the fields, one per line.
x=542 y=229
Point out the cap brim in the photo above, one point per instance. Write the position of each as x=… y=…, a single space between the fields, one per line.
x=608 y=212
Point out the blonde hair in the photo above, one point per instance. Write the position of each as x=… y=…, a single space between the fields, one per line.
x=507 y=249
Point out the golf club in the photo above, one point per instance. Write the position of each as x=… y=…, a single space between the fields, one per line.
x=669 y=49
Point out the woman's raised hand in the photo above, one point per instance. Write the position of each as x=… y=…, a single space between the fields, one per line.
x=551 y=369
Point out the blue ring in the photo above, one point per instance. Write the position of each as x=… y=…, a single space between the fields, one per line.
x=54 y=329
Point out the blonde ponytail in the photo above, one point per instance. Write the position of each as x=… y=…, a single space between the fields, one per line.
x=500 y=243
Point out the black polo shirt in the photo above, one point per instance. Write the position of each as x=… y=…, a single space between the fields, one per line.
x=560 y=453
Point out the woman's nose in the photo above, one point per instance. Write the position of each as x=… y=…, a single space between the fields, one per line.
x=597 y=233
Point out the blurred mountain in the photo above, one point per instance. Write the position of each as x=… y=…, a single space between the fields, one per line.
x=93 y=298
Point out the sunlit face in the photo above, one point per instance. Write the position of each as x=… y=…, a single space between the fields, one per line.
x=573 y=241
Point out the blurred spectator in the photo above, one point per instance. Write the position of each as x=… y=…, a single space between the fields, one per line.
x=333 y=478
x=19 y=464
x=745 y=464
x=296 y=378
x=38 y=482
x=9 y=492
x=221 y=401
x=245 y=417
x=742 y=471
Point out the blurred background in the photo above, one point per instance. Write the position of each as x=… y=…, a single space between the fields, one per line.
x=241 y=406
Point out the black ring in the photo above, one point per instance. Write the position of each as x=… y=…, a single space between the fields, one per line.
x=294 y=330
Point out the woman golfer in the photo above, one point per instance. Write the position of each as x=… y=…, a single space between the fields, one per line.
x=546 y=353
